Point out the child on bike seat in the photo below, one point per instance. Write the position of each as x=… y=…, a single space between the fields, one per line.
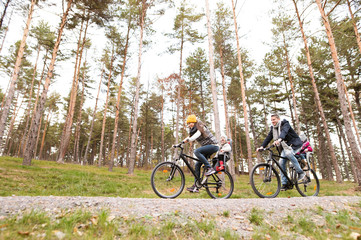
x=223 y=153
x=306 y=147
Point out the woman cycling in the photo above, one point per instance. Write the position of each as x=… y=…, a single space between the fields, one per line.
x=209 y=145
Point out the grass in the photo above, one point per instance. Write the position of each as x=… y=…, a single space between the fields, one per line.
x=84 y=225
x=314 y=224
x=256 y=216
x=46 y=178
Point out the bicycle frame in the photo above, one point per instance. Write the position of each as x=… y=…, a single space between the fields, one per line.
x=184 y=158
x=273 y=160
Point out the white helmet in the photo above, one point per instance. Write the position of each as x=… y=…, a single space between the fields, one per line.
x=303 y=137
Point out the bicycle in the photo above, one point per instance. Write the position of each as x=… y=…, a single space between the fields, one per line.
x=266 y=183
x=168 y=179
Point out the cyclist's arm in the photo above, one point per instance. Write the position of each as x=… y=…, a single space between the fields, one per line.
x=193 y=137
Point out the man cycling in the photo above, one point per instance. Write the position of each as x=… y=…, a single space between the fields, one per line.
x=288 y=143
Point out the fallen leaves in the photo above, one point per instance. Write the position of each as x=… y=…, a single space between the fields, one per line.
x=24 y=233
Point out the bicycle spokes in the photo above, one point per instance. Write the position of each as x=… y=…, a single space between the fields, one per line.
x=309 y=186
x=219 y=185
x=167 y=180
x=265 y=181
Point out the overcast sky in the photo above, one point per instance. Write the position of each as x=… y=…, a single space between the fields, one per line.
x=253 y=17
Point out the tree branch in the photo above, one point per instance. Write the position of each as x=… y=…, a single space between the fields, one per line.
x=333 y=8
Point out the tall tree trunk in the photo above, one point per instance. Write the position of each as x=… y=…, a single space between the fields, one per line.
x=105 y=110
x=352 y=115
x=180 y=82
x=65 y=137
x=289 y=102
x=13 y=118
x=354 y=23
x=318 y=100
x=253 y=129
x=133 y=147
x=28 y=111
x=37 y=138
x=29 y=152
x=212 y=75
x=243 y=91
x=111 y=163
x=290 y=78
x=162 y=127
x=341 y=94
x=345 y=166
x=224 y=89
x=4 y=98
x=44 y=134
x=323 y=161
x=10 y=95
x=352 y=165
x=36 y=100
x=265 y=119
x=93 y=118
x=4 y=12
x=6 y=31
x=79 y=117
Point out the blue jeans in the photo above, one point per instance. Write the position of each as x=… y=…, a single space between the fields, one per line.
x=201 y=154
x=294 y=161
x=303 y=156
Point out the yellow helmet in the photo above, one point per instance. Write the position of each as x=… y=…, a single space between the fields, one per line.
x=191 y=119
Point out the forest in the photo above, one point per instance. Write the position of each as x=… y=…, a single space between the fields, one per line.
x=112 y=115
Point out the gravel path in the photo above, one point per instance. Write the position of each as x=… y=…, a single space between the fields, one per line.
x=239 y=209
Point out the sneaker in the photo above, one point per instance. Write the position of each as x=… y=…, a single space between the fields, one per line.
x=193 y=189
x=284 y=187
x=301 y=176
x=210 y=172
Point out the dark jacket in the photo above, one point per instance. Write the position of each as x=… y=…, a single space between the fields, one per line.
x=287 y=134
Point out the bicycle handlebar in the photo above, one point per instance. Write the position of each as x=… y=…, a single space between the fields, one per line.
x=266 y=149
x=179 y=145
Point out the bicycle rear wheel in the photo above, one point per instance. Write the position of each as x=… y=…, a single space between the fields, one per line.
x=310 y=186
x=265 y=181
x=167 y=180
x=220 y=185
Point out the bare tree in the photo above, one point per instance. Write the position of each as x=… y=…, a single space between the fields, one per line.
x=133 y=147
x=111 y=164
x=341 y=91
x=105 y=110
x=29 y=151
x=65 y=137
x=358 y=39
x=10 y=95
x=93 y=118
x=212 y=74
x=317 y=98
x=243 y=91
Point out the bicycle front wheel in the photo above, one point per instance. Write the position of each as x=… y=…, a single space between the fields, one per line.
x=310 y=185
x=220 y=185
x=265 y=181
x=167 y=180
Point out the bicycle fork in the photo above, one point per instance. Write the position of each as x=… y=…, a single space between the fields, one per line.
x=172 y=171
x=268 y=173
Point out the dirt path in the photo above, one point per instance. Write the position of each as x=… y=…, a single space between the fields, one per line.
x=160 y=209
